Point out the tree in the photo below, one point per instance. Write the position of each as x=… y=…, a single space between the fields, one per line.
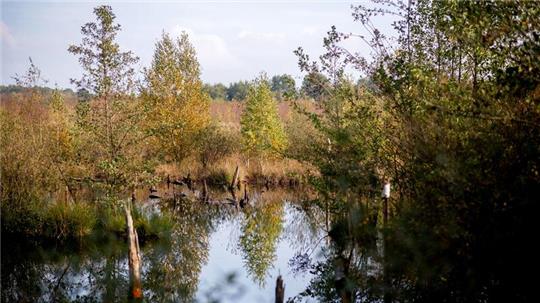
x=173 y=94
x=36 y=141
x=238 y=91
x=315 y=85
x=110 y=124
x=216 y=91
x=283 y=86
x=108 y=71
x=32 y=78
x=23 y=142
x=261 y=127
x=458 y=100
x=215 y=143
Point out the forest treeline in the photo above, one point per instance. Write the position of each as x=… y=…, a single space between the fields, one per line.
x=448 y=114
x=283 y=87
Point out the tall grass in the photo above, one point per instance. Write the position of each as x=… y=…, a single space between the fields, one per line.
x=37 y=219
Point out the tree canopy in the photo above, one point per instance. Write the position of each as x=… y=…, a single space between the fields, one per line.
x=262 y=130
x=174 y=97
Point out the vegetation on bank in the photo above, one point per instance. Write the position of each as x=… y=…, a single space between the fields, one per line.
x=119 y=133
x=59 y=221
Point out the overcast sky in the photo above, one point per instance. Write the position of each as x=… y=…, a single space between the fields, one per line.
x=235 y=40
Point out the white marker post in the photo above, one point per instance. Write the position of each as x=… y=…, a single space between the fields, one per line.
x=385 y=196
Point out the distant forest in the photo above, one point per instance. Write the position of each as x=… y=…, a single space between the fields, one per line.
x=282 y=86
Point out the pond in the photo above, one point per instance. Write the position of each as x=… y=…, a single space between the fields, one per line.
x=214 y=253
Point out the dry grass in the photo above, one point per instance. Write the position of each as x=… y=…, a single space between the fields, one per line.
x=228 y=115
x=223 y=170
x=230 y=112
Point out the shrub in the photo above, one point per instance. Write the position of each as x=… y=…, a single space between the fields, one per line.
x=25 y=217
x=215 y=143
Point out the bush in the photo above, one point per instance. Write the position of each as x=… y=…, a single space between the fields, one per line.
x=215 y=143
x=25 y=217
x=35 y=218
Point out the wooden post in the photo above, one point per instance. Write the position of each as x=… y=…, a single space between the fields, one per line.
x=280 y=290
x=134 y=257
x=235 y=178
x=385 y=212
x=205 y=191
x=189 y=182
x=327 y=221
x=245 y=200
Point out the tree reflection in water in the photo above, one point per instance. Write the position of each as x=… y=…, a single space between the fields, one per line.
x=261 y=229
x=173 y=272
x=99 y=272
x=97 y=269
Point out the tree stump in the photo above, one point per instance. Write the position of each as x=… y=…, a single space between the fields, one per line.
x=134 y=257
x=280 y=290
x=235 y=178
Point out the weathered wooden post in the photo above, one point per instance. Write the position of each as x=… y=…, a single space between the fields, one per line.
x=245 y=200
x=280 y=290
x=232 y=185
x=189 y=182
x=235 y=178
x=134 y=257
x=205 y=191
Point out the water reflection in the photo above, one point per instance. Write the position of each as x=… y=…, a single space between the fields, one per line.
x=260 y=231
x=78 y=274
x=173 y=271
x=215 y=252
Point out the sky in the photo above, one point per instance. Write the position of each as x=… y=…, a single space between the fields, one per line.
x=234 y=40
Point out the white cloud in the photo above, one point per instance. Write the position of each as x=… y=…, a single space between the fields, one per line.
x=6 y=36
x=311 y=30
x=212 y=50
x=261 y=36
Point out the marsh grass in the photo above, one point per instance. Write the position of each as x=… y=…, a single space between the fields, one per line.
x=253 y=170
x=37 y=219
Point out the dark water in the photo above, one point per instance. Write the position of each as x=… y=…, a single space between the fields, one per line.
x=214 y=253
